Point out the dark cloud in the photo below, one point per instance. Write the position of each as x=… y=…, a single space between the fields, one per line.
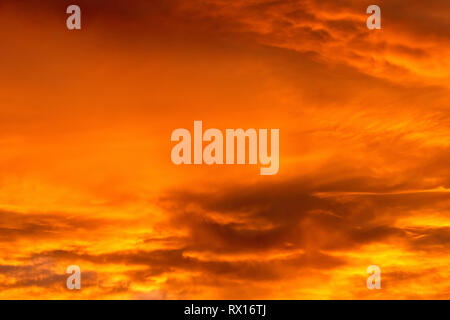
x=426 y=238
x=160 y=262
x=40 y=275
x=293 y=215
x=15 y=226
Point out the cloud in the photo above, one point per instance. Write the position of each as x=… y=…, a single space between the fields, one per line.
x=17 y=226
x=40 y=275
x=292 y=215
x=85 y=176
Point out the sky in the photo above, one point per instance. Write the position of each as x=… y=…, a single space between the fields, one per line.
x=86 y=177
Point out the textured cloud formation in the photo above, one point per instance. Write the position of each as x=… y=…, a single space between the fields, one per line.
x=85 y=170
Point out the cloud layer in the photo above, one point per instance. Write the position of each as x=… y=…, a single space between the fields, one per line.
x=85 y=170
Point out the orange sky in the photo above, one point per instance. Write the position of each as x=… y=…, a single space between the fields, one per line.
x=86 y=176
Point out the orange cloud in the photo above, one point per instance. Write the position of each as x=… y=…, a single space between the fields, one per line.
x=85 y=170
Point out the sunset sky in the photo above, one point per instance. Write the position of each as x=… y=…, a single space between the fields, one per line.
x=86 y=177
